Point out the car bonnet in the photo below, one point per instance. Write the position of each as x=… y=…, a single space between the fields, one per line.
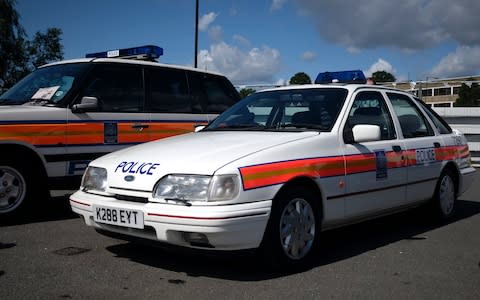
x=140 y=167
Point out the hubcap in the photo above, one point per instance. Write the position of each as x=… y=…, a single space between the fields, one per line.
x=297 y=228
x=447 y=195
x=12 y=189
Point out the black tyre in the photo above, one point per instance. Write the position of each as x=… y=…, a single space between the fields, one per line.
x=292 y=234
x=443 y=201
x=18 y=184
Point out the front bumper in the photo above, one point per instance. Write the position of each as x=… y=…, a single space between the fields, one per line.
x=227 y=227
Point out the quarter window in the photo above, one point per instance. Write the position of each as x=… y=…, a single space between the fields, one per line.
x=411 y=120
x=213 y=94
x=441 y=125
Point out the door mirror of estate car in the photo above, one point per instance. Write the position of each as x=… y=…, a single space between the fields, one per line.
x=366 y=133
x=86 y=104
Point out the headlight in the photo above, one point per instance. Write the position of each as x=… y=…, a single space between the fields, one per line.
x=197 y=187
x=223 y=187
x=94 y=179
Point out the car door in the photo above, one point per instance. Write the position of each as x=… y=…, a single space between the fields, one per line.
x=422 y=144
x=118 y=120
x=375 y=170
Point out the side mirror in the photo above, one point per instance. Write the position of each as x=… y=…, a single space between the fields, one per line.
x=86 y=104
x=366 y=133
x=199 y=127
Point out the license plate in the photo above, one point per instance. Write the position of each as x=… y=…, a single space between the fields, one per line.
x=118 y=216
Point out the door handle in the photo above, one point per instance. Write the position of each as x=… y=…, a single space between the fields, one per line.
x=140 y=126
x=436 y=145
x=396 y=148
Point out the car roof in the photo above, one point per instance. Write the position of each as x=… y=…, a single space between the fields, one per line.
x=131 y=62
x=349 y=86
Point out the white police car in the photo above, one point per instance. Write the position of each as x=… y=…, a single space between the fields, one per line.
x=279 y=167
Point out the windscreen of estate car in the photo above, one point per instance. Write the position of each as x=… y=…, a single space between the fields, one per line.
x=49 y=84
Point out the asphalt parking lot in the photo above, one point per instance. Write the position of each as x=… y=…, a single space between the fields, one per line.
x=52 y=255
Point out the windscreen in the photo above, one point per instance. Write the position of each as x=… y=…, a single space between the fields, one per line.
x=50 y=84
x=295 y=109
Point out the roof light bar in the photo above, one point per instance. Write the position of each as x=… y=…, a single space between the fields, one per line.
x=148 y=52
x=353 y=76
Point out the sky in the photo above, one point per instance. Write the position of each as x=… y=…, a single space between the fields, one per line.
x=268 y=41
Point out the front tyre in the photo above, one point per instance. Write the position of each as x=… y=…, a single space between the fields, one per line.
x=292 y=234
x=17 y=186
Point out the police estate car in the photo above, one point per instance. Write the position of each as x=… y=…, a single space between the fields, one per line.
x=75 y=111
x=279 y=167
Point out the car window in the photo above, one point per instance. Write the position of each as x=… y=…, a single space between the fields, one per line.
x=411 y=119
x=369 y=108
x=118 y=88
x=168 y=91
x=213 y=94
x=440 y=123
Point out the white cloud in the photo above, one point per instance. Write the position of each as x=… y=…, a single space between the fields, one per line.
x=206 y=20
x=380 y=65
x=408 y=25
x=464 y=61
x=277 y=4
x=241 y=40
x=257 y=65
x=309 y=56
x=215 y=33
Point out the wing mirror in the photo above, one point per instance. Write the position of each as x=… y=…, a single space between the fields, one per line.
x=366 y=133
x=86 y=104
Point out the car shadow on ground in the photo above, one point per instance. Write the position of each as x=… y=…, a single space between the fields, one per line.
x=338 y=244
x=54 y=208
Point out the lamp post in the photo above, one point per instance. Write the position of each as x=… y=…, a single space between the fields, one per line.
x=196 y=32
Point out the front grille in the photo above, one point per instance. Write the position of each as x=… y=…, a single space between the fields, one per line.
x=132 y=198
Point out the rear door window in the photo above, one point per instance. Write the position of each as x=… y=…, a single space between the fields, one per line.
x=411 y=119
x=167 y=91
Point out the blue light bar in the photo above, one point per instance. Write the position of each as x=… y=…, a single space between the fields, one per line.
x=354 y=76
x=143 y=52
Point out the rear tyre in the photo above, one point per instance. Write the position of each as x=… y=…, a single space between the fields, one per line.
x=292 y=234
x=443 y=201
x=18 y=184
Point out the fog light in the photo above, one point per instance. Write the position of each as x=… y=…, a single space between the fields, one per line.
x=196 y=239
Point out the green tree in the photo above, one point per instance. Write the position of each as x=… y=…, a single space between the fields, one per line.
x=300 y=78
x=19 y=56
x=45 y=47
x=12 y=42
x=383 y=76
x=468 y=95
x=245 y=92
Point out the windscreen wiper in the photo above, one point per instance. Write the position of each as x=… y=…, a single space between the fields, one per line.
x=303 y=125
x=40 y=101
x=239 y=127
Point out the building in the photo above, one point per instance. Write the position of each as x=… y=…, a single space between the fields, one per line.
x=438 y=92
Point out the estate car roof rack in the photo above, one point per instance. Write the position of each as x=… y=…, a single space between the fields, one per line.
x=353 y=76
x=148 y=52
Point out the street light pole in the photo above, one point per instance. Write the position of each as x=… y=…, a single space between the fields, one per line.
x=196 y=32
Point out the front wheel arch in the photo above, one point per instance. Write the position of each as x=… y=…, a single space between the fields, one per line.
x=22 y=169
x=295 y=203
